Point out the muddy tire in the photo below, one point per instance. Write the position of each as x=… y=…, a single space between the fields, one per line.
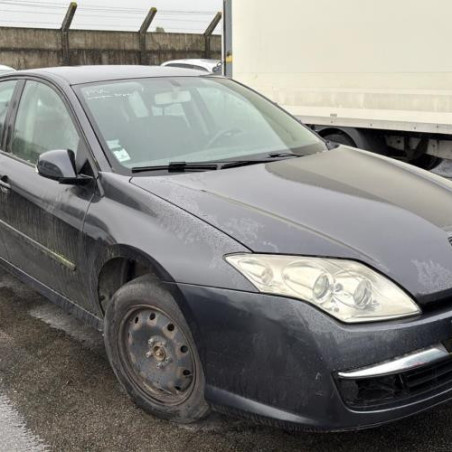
x=151 y=350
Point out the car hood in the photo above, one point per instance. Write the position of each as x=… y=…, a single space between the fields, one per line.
x=341 y=203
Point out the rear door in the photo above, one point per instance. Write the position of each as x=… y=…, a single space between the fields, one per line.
x=43 y=219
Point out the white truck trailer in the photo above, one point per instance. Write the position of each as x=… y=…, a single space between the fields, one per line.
x=376 y=74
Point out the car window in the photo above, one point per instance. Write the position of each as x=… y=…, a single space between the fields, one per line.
x=42 y=124
x=191 y=119
x=6 y=93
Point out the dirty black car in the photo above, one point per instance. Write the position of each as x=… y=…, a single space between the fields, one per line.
x=232 y=258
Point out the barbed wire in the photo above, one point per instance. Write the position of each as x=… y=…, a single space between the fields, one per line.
x=118 y=9
x=107 y=27
x=163 y=19
x=196 y=21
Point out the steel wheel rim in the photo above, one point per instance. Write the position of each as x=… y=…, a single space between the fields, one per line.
x=157 y=356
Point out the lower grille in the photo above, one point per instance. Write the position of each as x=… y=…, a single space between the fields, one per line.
x=369 y=393
x=430 y=377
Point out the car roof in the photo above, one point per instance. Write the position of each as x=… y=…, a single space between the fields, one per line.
x=194 y=61
x=6 y=68
x=76 y=75
x=208 y=64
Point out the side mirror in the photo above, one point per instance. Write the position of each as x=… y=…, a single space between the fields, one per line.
x=59 y=165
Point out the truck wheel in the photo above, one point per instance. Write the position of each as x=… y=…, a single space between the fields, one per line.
x=340 y=138
x=427 y=162
x=152 y=352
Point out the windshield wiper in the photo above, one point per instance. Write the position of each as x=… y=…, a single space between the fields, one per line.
x=180 y=167
x=177 y=167
x=269 y=158
x=275 y=155
x=237 y=163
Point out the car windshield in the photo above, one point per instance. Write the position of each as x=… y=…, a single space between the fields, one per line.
x=155 y=121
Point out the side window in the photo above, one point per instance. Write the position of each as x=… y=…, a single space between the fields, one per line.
x=199 y=68
x=6 y=93
x=42 y=124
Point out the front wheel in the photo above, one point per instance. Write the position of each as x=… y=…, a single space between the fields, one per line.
x=152 y=352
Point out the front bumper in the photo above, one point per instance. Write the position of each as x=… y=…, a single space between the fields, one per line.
x=280 y=359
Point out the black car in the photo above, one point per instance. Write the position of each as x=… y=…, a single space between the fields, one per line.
x=233 y=259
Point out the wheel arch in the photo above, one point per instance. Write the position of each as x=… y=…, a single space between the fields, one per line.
x=118 y=265
x=330 y=130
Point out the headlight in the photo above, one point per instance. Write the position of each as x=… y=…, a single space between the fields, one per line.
x=347 y=290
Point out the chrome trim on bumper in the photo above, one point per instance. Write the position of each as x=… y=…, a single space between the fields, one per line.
x=399 y=365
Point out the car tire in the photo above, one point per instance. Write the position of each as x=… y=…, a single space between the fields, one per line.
x=152 y=352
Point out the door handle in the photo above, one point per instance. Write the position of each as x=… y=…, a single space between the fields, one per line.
x=4 y=184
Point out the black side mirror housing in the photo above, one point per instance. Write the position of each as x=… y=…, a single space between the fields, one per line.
x=59 y=165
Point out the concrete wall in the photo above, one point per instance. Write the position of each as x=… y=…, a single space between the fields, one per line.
x=25 y=48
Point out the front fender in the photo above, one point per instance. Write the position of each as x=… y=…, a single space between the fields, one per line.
x=132 y=223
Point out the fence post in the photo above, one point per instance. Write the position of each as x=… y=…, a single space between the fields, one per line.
x=67 y=21
x=142 y=34
x=208 y=34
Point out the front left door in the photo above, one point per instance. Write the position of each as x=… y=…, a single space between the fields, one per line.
x=43 y=220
